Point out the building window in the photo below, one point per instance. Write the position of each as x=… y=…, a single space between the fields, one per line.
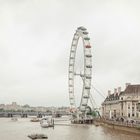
x=129 y=115
x=121 y=98
x=122 y=114
x=128 y=106
x=132 y=108
x=133 y=114
x=133 y=103
x=137 y=108
x=122 y=106
x=115 y=113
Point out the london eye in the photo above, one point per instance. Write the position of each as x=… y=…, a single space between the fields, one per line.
x=86 y=75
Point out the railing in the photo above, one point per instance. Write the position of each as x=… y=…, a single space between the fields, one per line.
x=120 y=123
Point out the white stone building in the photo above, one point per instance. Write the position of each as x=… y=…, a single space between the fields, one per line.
x=122 y=103
x=12 y=106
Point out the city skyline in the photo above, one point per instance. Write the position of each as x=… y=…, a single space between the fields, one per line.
x=35 y=46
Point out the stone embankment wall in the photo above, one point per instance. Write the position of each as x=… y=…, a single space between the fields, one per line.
x=120 y=126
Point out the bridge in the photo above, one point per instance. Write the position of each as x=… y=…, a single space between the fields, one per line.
x=37 y=114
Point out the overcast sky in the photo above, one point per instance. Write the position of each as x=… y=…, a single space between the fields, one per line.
x=35 y=40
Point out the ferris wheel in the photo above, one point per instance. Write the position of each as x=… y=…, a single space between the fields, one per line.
x=86 y=76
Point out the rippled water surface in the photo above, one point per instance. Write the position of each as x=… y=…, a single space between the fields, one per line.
x=19 y=130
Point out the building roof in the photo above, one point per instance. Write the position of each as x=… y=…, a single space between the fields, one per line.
x=130 y=89
x=112 y=97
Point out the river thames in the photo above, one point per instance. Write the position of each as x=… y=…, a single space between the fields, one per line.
x=19 y=130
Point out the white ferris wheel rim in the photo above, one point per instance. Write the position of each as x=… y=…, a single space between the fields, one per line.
x=80 y=32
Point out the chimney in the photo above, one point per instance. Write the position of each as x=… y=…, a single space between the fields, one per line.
x=109 y=93
x=115 y=91
x=127 y=84
x=119 y=90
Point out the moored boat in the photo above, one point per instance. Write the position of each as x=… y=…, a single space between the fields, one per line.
x=47 y=122
x=34 y=120
x=14 y=119
x=38 y=136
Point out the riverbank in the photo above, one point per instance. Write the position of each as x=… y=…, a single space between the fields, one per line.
x=119 y=126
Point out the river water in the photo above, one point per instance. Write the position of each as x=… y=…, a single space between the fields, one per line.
x=10 y=130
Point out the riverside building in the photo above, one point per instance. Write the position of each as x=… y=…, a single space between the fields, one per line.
x=122 y=103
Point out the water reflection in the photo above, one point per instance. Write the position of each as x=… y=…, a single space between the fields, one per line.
x=19 y=130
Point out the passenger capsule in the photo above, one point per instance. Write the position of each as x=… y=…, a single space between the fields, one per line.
x=87 y=87
x=82 y=28
x=86 y=38
x=85 y=33
x=88 y=55
x=88 y=46
x=88 y=66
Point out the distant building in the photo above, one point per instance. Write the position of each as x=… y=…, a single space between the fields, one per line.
x=122 y=103
x=2 y=106
x=40 y=109
x=12 y=106
x=26 y=108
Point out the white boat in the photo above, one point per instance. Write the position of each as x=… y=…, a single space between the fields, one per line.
x=34 y=120
x=14 y=119
x=47 y=122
